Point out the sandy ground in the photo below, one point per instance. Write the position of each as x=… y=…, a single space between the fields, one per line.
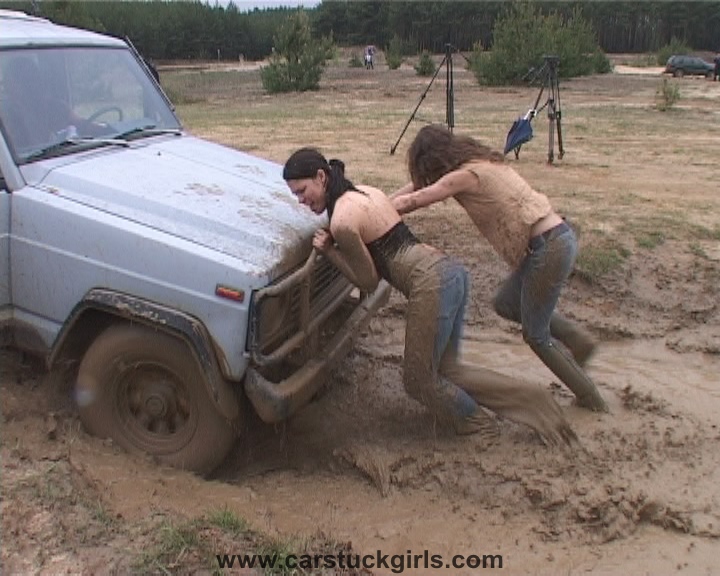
x=364 y=465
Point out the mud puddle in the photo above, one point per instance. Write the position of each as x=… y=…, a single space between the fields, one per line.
x=365 y=464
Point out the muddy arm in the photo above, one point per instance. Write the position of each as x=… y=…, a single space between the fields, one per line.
x=352 y=258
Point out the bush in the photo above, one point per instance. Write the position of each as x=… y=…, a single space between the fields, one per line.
x=600 y=62
x=355 y=61
x=393 y=54
x=523 y=36
x=674 y=47
x=425 y=66
x=666 y=95
x=298 y=60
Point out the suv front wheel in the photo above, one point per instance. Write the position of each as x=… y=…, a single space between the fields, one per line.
x=144 y=389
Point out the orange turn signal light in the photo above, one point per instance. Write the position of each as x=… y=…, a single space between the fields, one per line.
x=230 y=293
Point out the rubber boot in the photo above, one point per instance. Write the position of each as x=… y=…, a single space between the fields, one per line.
x=556 y=357
x=510 y=398
x=576 y=339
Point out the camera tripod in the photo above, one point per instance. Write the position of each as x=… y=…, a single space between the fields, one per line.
x=447 y=61
x=548 y=73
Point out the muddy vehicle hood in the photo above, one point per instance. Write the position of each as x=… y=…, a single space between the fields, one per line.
x=199 y=191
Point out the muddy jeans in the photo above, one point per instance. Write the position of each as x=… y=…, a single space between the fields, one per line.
x=435 y=316
x=530 y=294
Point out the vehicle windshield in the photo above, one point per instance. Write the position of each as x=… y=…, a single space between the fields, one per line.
x=53 y=101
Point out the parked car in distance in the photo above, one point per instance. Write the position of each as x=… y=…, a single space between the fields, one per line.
x=171 y=279
x=682 y=65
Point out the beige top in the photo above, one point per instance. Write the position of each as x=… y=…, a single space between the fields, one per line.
x=504 y=207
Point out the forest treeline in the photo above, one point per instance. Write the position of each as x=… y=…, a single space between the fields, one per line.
x=170 y=30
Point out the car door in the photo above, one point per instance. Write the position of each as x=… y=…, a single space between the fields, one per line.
x=4 y=248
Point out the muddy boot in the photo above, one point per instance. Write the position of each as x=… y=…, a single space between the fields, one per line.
x=556 y=357
x=576 y=339
x=509 y=398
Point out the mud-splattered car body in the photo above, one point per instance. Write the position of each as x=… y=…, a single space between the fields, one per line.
x=126 y=242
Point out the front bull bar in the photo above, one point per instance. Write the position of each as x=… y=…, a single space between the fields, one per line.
x=275 y=402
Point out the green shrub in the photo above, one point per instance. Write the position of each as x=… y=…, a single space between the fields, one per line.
x=475 y=58
x=355 y=61
x=393 y=54
x=600 y=62
x=675 y=46
x=425 y=66
x=667 y=95
x=523 y=35
x=298 y=61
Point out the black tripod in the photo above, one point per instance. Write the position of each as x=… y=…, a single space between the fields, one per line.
x=548 y=74
x=447 y=61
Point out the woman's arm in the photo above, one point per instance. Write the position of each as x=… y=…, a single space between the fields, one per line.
x=345 y=249
x=409 y=187
x=449 y=185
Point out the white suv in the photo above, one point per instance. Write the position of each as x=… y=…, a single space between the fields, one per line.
x=174 y=277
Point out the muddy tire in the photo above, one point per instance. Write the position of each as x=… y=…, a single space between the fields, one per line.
x=144 y=389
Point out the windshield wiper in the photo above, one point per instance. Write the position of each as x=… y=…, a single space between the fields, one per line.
x=148 y=130
x=87 y=143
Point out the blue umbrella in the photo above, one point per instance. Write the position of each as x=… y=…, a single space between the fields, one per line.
x=520 y=132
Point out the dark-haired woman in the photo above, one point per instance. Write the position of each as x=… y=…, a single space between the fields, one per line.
x=522 y=226
x=366 y=241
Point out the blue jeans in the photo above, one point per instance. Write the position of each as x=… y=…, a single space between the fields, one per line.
x=453 y=300
x=530 y=294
